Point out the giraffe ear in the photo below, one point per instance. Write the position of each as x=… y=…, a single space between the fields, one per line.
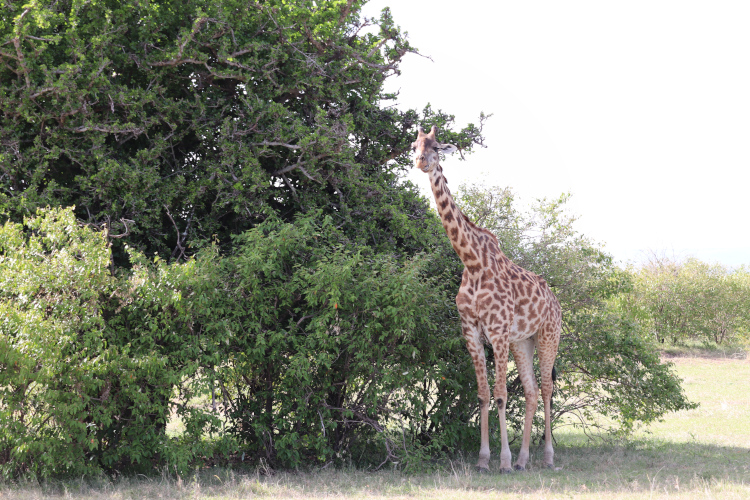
x=446 y=148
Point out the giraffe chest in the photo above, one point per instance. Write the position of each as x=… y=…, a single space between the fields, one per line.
x=484 y=303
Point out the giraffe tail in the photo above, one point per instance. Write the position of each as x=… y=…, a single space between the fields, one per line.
x=552 y=396
x=554 y=379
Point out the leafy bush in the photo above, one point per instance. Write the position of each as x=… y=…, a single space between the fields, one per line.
x=54 y=278
x=317 y=352
x=334 y=352
x=89 y=361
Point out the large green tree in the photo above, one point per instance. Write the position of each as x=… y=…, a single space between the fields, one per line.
x=169 y=122
x=172 y=124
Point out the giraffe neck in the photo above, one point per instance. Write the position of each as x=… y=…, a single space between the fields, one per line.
x=463 y=236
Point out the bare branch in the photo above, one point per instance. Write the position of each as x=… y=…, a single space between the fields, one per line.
x=40 y=39
x=197 y=25
x=294 y=194
x=42 y=92
x=275 y=143
x=109 y=130
x=298 y=165
x=9 y=56
x=180 y=237
x=124 y=223
x=19 y=53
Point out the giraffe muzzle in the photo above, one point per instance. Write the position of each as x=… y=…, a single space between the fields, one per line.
x=424 y=166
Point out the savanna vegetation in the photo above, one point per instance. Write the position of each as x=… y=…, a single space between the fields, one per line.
x=205 y=221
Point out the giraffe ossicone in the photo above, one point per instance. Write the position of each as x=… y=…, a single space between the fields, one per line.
x=508 y=305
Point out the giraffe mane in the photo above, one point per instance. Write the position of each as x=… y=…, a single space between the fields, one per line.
x=480 y=229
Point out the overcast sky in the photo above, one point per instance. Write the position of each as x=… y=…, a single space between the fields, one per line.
x=639 y=109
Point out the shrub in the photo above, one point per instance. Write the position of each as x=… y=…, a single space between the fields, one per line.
x=89 y=361
x=335 y=353
x=690 y=300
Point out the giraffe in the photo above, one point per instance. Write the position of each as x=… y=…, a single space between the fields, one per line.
x=514 y=309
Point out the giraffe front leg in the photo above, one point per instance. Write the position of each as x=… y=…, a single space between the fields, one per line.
x=500 y=344
x=523 y=354
x=476 y=349
x=483 y=464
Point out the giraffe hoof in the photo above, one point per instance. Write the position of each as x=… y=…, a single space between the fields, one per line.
x=549 y=466
x=482 y=469
x=519 y=467
x=506 y=471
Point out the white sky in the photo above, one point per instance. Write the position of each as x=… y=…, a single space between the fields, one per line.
x=639 y=109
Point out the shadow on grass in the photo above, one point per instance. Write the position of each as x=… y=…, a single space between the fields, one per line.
x=647 y=456
x=625 y=470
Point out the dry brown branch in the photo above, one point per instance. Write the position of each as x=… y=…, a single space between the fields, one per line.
x=299 y=166
x=17 y=45
x=275 y=143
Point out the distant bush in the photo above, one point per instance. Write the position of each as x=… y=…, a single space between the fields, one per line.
x=690 y=300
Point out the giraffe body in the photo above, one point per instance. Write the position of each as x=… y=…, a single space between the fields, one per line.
x=500 y=302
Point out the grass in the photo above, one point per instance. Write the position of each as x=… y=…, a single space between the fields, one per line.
x=722 y=386
x=701 y=453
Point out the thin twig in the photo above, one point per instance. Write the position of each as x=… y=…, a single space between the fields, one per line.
x=179 y=238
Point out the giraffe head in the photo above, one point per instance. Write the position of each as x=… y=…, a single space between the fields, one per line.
x=427 y=150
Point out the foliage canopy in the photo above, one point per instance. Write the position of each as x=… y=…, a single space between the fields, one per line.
x=174 y=121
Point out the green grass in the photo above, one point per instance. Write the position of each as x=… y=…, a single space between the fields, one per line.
x=701 y=453
x=722 y=387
